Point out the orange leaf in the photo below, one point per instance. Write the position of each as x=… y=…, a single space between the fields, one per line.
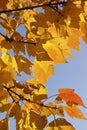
x=69 y=96
x=74 y=111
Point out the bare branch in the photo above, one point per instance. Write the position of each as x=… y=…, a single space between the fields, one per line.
x=11 y=40
x=28 y=100
x=32 y=7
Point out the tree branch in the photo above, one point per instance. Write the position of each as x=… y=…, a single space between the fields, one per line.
x=32 y=7
x=28 y=100
x=11 y=40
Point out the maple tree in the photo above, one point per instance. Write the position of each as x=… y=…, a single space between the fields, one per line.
x=53 y=28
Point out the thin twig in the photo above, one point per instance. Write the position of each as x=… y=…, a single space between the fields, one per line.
x=28 y=100
x=32 y=7
x=50 y=97
x=11 y=40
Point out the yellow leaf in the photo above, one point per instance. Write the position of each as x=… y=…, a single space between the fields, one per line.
x=2 y=64
x=6 y=58
x=39 y=94
x=4 y=105
x=73 y=39
x=53 y=31
x=51 y=109
x=31 y=106
x=60 y=123
x=7 y=74
x=54 y=51
x=42 y=70
x=84 y=31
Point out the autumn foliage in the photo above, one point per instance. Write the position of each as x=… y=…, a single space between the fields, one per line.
x=49 y=30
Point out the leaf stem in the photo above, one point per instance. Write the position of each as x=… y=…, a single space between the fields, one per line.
x=11 y=40
x=28 y=100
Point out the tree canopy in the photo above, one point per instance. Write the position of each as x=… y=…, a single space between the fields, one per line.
x=50 y=29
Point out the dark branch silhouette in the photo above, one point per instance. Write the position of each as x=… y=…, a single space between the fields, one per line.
x=50 y=4
x=11 y=40
x=21 y=97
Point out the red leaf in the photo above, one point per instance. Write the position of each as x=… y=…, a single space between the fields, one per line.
x=69 y=96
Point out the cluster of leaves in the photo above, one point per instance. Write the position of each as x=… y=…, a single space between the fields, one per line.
x=53 y=28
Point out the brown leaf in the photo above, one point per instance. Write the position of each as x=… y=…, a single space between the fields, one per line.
x=38 y=121
x=4 y=124
x=60 y=124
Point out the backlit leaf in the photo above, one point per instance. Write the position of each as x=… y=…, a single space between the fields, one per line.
x=37 y=124
x=73 y=40
x=43 y=68
x=69 y=96
x=39 y=94
x=74 y=111
x=7 y=74
x=60 y=123
x=54 y=51
x=21 y=64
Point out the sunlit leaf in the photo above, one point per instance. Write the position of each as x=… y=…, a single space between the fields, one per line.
x=7 y=74
x=43 y=68
x=74 y=111
x=39 y=94
x=70 y=96
x=53 y=110
x=54 y=51
x=73 y=40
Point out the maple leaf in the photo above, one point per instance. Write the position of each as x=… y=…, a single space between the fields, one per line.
x=54 y=51
x=73 y=39
x=7 y=74
x=74 y=111
x=70 y=97
x=43 y=68
x=38 y=124
x=60 y=123
x=21 y=63
x=4 y=105
x=84 y=31
x=51 y=109
x=39 y=94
